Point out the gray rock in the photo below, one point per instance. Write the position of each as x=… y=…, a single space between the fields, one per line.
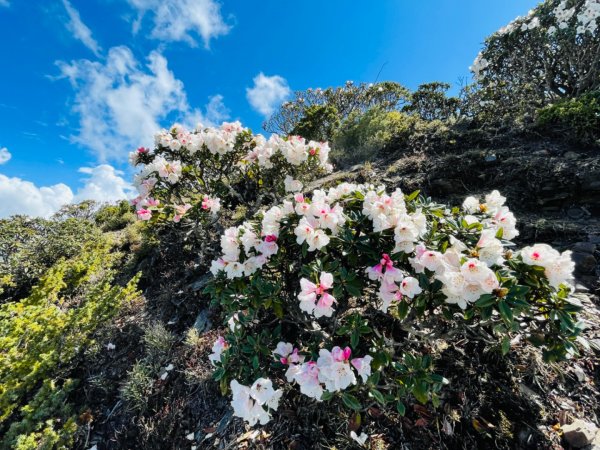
x=584 y=247
x=571 y=155
x=584 y=262
x=200 y=283
x=579 y=433
x=202 y=322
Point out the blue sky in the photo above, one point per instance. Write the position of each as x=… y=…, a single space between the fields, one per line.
x=83 y=82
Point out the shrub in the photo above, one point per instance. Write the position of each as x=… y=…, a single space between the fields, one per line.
x=340 y=291
x=306 y=112
x=362 y=136
x=577 y=118
x=430 y=102
x=40 y=337
x=540 y=58
x=377 y=133
x=30 y=246
x=189 y=175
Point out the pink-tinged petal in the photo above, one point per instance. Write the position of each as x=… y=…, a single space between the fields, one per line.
x=347 y=353
x=307 y=286
x=326 y=300
x=308 y=297
x=326 y=280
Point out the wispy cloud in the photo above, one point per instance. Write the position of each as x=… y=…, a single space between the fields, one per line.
x=180 y=20
x=4 y=3
x=121 y=103
x=4 y=155
x=80 y=30
x=267 y=93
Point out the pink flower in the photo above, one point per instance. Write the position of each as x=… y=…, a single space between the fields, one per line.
x=385 y=270
x=152 y=202
x=314 y=299
x=180 y=211
x=142 y=150
x=340 y=354
x=363 y=366
x=144 y=214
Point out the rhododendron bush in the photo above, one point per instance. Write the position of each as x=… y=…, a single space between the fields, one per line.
x=190 y=174
x=550 y=54
x=336 y=295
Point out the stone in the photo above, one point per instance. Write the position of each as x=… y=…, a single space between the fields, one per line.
x=200 y=283
x=202 y=322
x=576 y=213
x=571 y=155
x=584 y=262
x=579 y=433
x=595 y=445
x=584 y=247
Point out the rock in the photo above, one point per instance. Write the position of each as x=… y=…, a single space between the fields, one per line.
x=571 y=155
x=579 y=433
x=595 y=445
x=202 y=322
x=575 y=212
x=584 y=262
x=581 y=288
x=584 y=247
x=200 y=283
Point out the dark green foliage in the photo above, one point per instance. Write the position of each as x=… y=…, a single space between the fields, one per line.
x=115 y=217
x=319 y=123
x=430 y=102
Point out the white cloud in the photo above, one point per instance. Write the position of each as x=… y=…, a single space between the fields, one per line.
x=120 y=103
x=102 y=183
x=267 y=93
x=79 y=29
x=18 y=196
x=178 y=20
x=4 y=155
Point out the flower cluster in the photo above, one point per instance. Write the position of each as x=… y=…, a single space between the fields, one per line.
x=195 y=171
x=336 y=268
x=558 y=267
x=249 y=403
x=331 y=372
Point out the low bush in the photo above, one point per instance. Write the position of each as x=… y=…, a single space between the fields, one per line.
x=42 y=335
x=578 y=119
x=338 y=293
x=378 y=133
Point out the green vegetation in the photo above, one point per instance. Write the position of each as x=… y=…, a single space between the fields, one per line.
x=43 y=335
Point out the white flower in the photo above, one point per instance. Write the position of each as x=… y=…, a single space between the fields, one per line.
x=292 y=185
x=409 y=286
x=360 y=439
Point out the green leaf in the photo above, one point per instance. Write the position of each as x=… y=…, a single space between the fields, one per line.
x=351 y=402
x=485 y=300
x=500 y=233
x=402 y=309
x=400 y=408
x=326 y=395
x=505 y=312
x=505 y=345
x=412 y=195
x=378 y=396
x=354 y=337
